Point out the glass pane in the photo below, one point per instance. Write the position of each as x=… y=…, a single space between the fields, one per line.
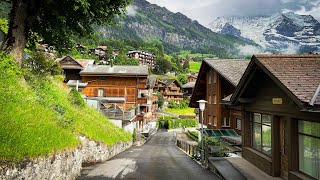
x=266 y=119
x=209 y=132
x=257 y=136
x=257 y=117
x=232 y=132
x=307 y=127
x=224 y=132
x=217 y=133
x=309 y=155
x=266 y=139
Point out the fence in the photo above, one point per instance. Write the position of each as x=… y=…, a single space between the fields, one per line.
x=191 y=148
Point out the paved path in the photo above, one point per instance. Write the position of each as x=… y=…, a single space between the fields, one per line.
x=159 y=159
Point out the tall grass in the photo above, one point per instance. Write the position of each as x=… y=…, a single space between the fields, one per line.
x=37 y=117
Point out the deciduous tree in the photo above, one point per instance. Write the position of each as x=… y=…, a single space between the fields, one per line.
x=56 y=21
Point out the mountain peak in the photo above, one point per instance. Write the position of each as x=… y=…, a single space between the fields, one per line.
x=275 y=33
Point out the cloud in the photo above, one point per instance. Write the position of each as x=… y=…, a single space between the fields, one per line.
x=314 y=10
x=131 y=10
x=249 y=50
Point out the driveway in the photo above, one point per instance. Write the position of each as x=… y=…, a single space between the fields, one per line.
x=159 y=159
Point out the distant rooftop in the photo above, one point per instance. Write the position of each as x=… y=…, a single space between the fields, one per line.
x=115 y=70
x=189 y=85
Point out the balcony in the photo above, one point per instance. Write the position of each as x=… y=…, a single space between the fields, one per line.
x=174 y=88
x=142 y=101
x=172 y=93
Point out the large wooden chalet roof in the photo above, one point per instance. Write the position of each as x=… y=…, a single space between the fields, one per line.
x=115 y=70
x=297 y=74
x=231 y=69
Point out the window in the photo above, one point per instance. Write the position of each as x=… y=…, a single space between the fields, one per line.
x=238 y=121
x=215 y=121
x=100 y=92
x=209 y=77
x=209 y=99
x=309 y=148
x=261 y=133
x=214 y=77
x=214 y=99
x=225 y=122
x=210 y=119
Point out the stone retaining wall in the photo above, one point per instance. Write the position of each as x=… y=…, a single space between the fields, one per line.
x=62 y=165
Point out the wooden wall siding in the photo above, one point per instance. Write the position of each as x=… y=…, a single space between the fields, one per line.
x=72 y=74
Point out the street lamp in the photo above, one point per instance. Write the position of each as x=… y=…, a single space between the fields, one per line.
x=202 y=105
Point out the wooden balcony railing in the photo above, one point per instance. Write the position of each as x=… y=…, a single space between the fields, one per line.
x=173 y=93
x=175 y=88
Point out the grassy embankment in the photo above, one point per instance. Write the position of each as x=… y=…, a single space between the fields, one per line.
x=184 y=111
x=38 y=117
x=194 y=66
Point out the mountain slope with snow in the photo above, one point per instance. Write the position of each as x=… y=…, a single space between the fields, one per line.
x=276 y=33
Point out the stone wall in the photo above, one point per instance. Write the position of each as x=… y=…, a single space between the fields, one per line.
x=62 y=165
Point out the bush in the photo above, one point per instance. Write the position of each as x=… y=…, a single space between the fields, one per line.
x=76 y=98
x=193 y=135
x=181 y=105
x=41 y=66
x=172 y=123
x=134 y=135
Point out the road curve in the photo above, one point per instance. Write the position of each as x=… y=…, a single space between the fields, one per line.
x=158 y=159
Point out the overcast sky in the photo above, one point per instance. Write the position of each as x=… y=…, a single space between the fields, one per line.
x=205 y=11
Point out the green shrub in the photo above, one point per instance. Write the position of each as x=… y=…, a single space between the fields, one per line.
x=76 y=98
x=40 y=66
x=171 y=122
x=134 y=135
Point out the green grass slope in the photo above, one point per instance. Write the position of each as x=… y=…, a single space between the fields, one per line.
x=194 y=66
x=38 y=118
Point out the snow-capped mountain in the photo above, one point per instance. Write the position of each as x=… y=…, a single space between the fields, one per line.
x=276 y=33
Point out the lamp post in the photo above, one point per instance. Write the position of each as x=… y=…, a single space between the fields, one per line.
x=202 y=105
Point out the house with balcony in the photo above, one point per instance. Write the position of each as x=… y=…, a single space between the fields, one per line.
x=216 y=81
x=144 y=58
x=192 y=77
x=120 y=92
x=170 y=89
x=279 y=96
x=71 y=67
x=187 y=89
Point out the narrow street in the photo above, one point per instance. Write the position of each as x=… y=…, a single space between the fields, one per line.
x=159 y=159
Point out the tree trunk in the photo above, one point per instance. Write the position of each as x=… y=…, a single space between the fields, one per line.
x=18 y=29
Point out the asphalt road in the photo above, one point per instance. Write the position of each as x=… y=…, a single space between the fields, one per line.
x=159 y=159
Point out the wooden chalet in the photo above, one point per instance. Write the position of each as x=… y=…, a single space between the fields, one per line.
x=123 y=86
x=280 y=100
x=72 y=67
x=217 y=80
x=192 y=77
x=170 y=89
x=187 y=89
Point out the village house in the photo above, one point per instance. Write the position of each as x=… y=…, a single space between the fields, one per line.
x=192 y=77
x=187 y=89
x=145 y=58
x=279 y=96
x=72 y=67
x=217 y=80
x=120 y=92
x=170 y=89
